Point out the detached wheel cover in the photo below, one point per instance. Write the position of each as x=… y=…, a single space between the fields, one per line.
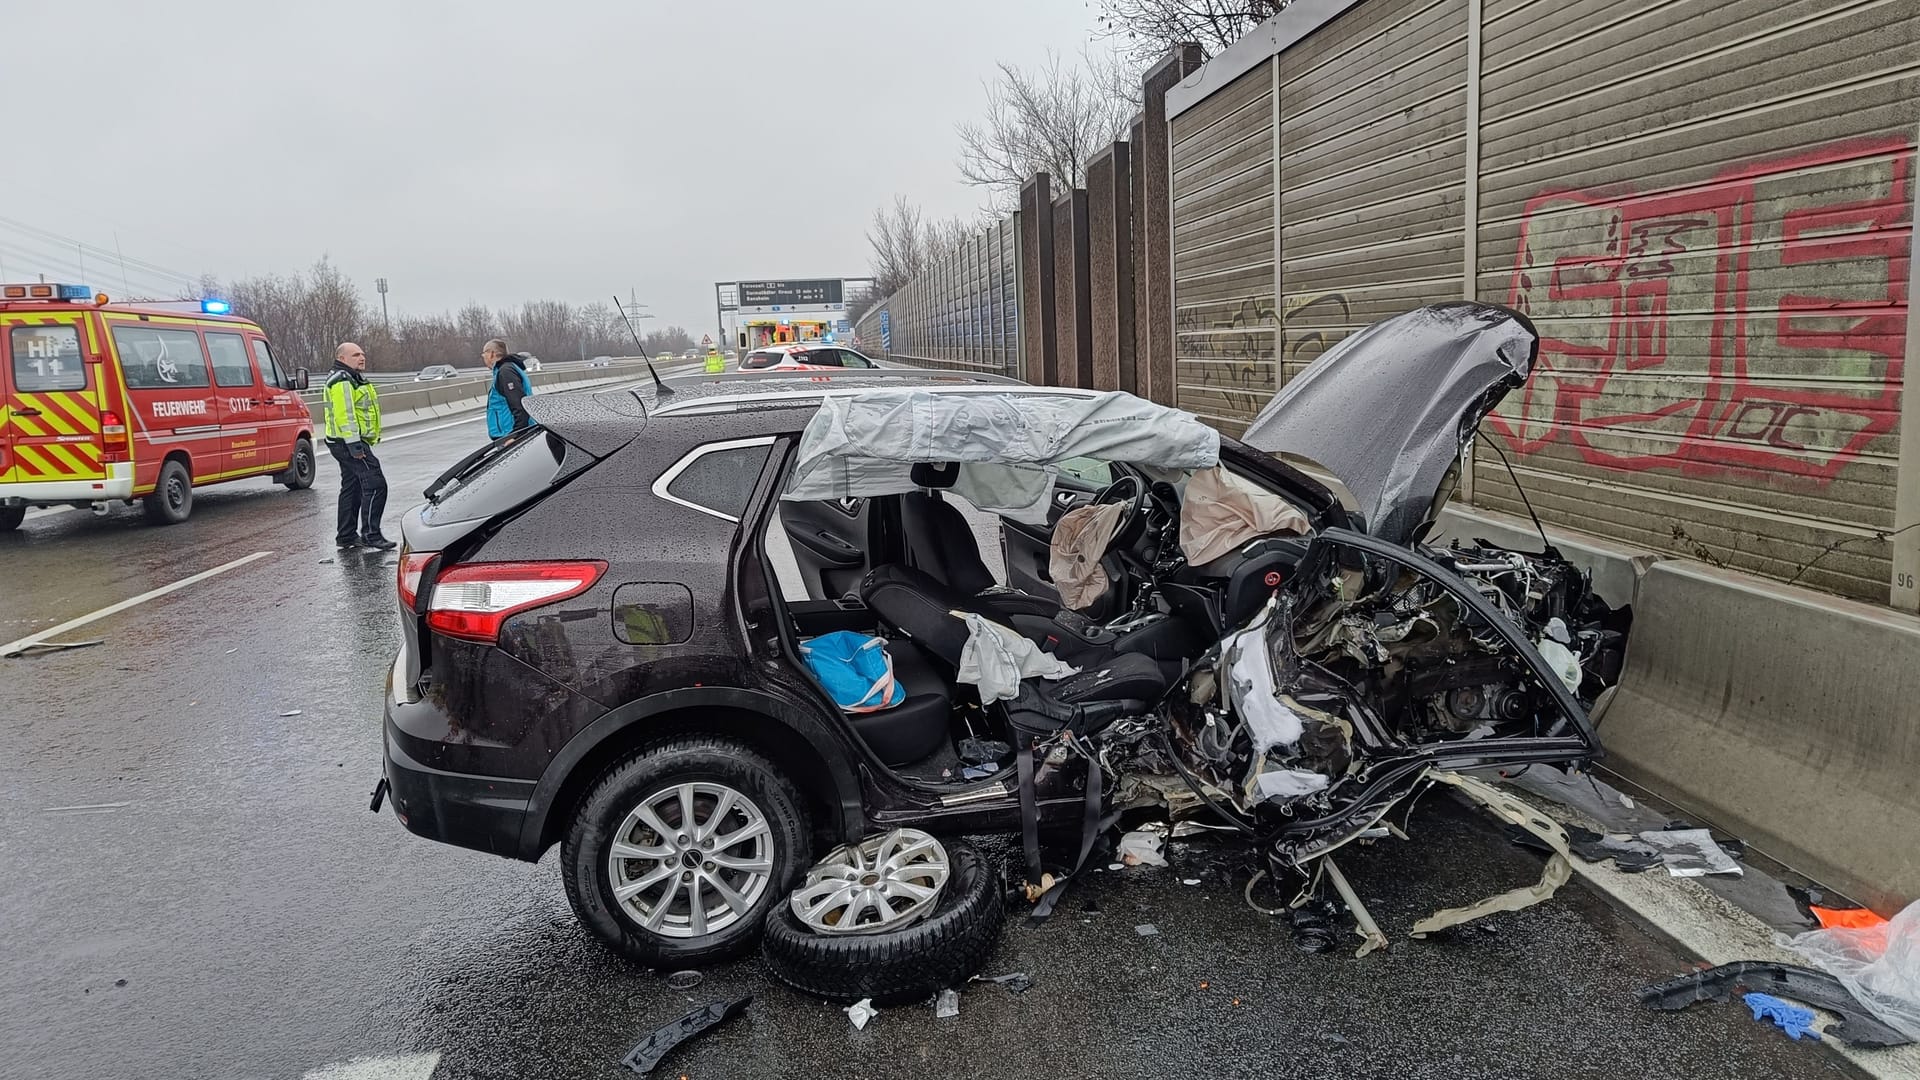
x=886 y=882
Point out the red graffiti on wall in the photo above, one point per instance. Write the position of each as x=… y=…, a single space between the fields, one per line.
x=1755 y=322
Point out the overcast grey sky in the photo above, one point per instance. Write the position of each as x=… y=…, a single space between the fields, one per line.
x=496 y=150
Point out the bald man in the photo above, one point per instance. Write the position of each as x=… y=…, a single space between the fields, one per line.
x=353 y=427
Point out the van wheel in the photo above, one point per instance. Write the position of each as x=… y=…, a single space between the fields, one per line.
x=299 y=474
x=11 y=517
x=172 y=498
x=676 y=855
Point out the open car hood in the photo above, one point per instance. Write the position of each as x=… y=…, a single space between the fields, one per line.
x=1006 y=445
x=1392 y=407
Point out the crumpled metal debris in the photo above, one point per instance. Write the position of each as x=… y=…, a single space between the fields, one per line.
x=1018 y=982
x=860 y=1012
x=946 y=1005
x=655 y=1047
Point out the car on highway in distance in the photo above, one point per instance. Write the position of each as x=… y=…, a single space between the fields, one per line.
x=103 y=402
x=617 y=637
x=434 y=372
x=804 y=356
x=532 y=363
x=600 y=361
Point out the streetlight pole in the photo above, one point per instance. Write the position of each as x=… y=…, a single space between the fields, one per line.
x=380 y=285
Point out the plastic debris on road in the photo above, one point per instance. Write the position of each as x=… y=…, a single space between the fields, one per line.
x=683 y=980
x=1689 y=852
x=1846 y=918
x=290 y=712
x=860 y=1012
x=655 y=1047
x=1790 y=1018
x=1879 y=965
x=946 y=1005
x=1142 y=849
x=1858 y=1027
x=1147 y=930
x=1190 y=881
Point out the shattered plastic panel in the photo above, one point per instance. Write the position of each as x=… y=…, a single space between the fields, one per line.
x=1391 y=408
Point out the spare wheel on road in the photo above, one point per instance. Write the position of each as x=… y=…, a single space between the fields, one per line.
x=896 y=917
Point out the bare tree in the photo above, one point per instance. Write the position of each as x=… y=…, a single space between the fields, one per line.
x=668 y=340
x=1048 y=120
x=898 y=237
x=1150 y=27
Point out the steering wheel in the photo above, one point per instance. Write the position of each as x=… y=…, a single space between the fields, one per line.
x=1130 y=493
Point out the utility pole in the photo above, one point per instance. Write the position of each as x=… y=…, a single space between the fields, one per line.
x=380 y=285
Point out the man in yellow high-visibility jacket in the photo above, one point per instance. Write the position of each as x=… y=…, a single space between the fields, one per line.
x=352 y=429
x=716 y=364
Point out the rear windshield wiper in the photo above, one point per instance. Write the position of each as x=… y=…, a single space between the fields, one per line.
x=466 y=466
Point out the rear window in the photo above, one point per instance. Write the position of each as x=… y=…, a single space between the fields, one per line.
x=47 y=358
x=717 y=479
x=762 y=360
x=499 y=481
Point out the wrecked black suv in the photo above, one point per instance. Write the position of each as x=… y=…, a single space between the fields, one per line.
x=605 y=626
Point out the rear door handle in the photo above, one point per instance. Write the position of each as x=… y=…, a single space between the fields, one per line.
x=28 y=411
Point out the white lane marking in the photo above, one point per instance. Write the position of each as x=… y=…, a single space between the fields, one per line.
x=384 y=1067
x=12 y=648
x=91 y=808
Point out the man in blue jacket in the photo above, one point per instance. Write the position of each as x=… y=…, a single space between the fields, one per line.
x=506 y=398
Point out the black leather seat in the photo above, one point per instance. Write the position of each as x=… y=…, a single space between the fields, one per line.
x=917 y=726
x=913 y=602
x=1123 y=685
x=941 y=544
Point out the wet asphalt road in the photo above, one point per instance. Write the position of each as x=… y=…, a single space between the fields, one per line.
x=191 y=886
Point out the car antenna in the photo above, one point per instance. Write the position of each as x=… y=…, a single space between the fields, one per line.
x=662 y=388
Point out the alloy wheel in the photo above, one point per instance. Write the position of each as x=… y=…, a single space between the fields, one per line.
x=885 y=882
x=690 y=860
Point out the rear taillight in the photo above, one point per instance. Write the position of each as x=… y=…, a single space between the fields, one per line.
x=113 y=437
x=475 y=600
x=413 y=567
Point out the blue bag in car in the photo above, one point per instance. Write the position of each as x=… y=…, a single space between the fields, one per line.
x=855 y=669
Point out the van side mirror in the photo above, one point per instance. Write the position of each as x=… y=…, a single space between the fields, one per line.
x=299 y=379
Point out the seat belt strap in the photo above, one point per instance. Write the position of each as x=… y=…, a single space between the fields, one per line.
x=1091 y=826
x=1029 y=815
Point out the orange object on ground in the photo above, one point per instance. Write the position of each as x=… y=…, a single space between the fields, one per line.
x=1850 y=918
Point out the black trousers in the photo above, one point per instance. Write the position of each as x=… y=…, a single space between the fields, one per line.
x=363 y=495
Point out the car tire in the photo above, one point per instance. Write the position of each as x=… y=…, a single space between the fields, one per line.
x=607 y=815
x=901 y=966
x=172 y=498
x=300 y=469
x=11 y=517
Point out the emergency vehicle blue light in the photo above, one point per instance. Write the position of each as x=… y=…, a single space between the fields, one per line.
x=76 y=292
x=215 y=307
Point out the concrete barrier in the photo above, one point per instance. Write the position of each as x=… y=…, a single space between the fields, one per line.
x=402 y=404
x=1786 y=717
